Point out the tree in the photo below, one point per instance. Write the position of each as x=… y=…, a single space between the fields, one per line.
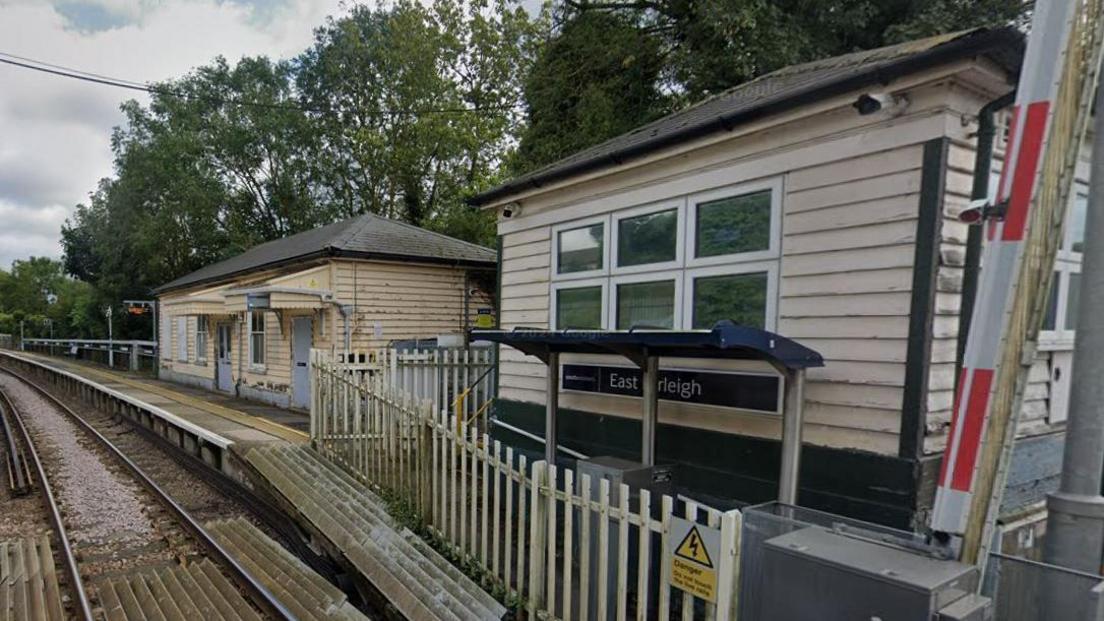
x=613 y=65
x=711 y=45
x=417 y=105
x=598 y=78
x=37 y=293
x=199 y=177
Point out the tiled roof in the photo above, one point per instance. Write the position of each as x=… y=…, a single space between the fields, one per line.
x=365 y=236
x=772 y=93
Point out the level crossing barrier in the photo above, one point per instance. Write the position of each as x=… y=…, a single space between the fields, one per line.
x=559 y=545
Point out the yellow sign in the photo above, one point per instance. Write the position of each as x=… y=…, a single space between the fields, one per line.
x=693 y=579
x=693 y=548
x=484 y=318
x=692 y=565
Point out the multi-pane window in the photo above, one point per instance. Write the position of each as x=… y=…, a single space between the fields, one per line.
x=1060 y=319
x=201 y=338
x=581 y=249
x=684 y=263
x=733 y=225
x=257 y=338
x=647 y=238
x=579 y=308
x=739 y=297
x=649 y=304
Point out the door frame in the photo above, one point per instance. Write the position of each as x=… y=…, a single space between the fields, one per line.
x=220 y=326
x=295 y=401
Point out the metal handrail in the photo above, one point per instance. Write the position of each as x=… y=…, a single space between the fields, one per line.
x=534 y=437
x=107 y=341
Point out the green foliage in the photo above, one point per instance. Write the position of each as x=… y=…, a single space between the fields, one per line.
x=599 y=77
x=406 y=109
x=419 y=106
x=614 y=65
x=401 y=111
x=37 y=293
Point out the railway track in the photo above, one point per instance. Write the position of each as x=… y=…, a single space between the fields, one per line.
x=121 y=543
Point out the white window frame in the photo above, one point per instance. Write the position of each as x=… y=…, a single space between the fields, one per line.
x=628 y=279
x=773 y=251
x=1066 y=262
x=254 y=366
x=181 y=339
x=554 y=268
x=580 y=284
x=685 y=266
x=201 y=331
x=678 y=206
x=770 y=267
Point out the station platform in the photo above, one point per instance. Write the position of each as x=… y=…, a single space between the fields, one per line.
x=236 y=420
x=260 y=445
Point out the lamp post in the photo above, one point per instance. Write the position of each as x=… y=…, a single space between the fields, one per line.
x=110 y=339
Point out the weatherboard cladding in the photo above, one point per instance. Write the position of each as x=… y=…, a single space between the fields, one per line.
x=772 y=93
x=364 y=236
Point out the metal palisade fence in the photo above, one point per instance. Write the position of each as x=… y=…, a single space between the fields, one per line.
x=558 y=545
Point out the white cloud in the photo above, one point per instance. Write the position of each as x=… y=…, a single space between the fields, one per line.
x=55 y=132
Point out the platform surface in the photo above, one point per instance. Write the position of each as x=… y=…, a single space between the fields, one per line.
x=417 y=581
x=238 y=420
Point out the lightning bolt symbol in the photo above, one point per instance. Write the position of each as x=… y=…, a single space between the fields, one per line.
x=694 y=546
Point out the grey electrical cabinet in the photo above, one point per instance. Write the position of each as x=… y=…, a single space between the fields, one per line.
x=815 y=573
x=637 y=476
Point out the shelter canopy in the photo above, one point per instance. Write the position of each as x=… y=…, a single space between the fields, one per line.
x=725 y=340
x=645 y=347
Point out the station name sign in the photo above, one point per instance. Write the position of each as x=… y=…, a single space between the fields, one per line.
x=746 y=391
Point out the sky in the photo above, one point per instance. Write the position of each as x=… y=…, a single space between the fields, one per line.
x=55 y=133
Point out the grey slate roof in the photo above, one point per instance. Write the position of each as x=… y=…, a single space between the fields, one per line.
x=772 y=93
x=366 y=236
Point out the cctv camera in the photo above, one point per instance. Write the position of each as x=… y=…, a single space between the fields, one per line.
x=511 y=210
x=869 y=103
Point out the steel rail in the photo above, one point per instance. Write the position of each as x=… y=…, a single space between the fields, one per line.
x=18 y=468
x=260 y=595
x=84 y=609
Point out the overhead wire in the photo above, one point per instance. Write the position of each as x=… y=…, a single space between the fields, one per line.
x=103 y=80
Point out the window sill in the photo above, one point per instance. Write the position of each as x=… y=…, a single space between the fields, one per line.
x=257 y=369
x=1055 y=344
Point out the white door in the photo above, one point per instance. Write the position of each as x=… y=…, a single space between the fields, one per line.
x=1061 y=368
x=224 y=365
x=302 y=338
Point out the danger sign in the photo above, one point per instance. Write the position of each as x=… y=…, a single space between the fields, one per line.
x=692 y=558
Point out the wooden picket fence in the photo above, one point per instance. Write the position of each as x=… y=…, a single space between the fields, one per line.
x=559 y=545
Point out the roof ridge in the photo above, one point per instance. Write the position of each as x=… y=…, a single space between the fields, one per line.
x=355 y=224
x=768 y=95
x=436 y=233
x=818 y=64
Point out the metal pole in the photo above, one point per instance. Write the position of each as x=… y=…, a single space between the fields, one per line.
x=21 y=346
x=983 y=163
x=110 y=341
x=793 y=414
x=552 y=402
x=651 y=410
x=1075 y=526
